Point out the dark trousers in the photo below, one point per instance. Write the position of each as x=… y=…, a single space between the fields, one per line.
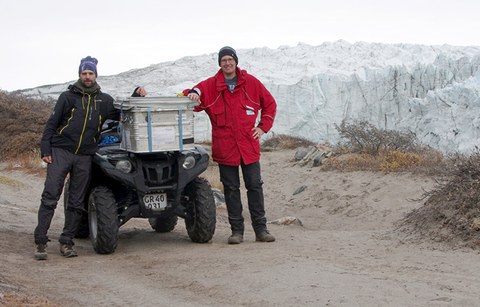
x=229 y=176
x=79 y=168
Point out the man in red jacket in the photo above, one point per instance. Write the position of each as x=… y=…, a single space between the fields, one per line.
x=233 y=99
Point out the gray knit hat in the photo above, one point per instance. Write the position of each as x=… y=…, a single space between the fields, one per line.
x=227 y=51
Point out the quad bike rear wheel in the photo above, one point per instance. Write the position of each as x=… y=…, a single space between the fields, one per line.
x=163 y=223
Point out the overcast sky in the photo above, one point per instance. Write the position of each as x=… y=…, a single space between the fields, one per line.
x=43 y=41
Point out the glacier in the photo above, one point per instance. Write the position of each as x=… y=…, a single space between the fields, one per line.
x=432 y=91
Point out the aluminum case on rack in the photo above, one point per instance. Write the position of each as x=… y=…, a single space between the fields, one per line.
x=156 y=124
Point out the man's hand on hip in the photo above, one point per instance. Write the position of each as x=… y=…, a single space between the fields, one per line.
x=257 y=133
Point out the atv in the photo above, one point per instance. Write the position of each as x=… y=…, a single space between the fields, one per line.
x=160 y=186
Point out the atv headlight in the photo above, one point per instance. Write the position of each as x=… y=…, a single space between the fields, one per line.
x=124 y=166
x=189 y=162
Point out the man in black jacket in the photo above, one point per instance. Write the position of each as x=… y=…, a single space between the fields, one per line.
x=68 y=144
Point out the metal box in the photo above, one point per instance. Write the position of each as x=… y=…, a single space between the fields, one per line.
x=155 y=124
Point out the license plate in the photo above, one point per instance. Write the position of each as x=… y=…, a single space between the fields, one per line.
x=156 y=202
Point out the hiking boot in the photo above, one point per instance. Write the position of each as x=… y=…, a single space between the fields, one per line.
x=67 y=250
x=264 y=236
x=235 y=238
x=41 y=252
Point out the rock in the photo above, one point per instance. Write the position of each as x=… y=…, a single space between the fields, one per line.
x=317 y=160
x=301 y=153
x=300 y=189
x=287 y=220
x=312 y=156
x=475 y=225
x=219 y=197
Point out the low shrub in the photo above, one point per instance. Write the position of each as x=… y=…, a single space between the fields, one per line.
x=22 y=121
x=283 y=141
x=451 y=212
x=364 y=137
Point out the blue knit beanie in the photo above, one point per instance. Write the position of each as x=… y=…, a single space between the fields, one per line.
x=88 y=63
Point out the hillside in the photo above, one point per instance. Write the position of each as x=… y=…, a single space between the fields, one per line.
x=420 y=88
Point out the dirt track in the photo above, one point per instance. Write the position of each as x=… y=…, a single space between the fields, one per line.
x=345 y=254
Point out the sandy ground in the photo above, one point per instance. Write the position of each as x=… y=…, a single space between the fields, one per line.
x=345 y=253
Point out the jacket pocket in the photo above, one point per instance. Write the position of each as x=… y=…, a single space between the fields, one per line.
x=219 y=115
x=223 y=144
x=249 y=114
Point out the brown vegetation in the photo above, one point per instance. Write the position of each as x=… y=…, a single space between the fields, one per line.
x=22 y=121
x=16 y=300
x=451 y=212
x=283 y=141
x=366 y=138
x=429 y=162
x=366 y=147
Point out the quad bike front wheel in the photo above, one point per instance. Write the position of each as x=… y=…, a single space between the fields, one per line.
x=103 y=220
x=201 y=212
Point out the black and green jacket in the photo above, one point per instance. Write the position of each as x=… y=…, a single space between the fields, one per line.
x=77 y=119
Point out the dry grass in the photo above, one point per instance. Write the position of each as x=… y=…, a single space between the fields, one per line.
x=451 y=212
x=365 y=147
x=282 y=141
x=30 y=162
x=429 y=162
x=22 y=121
x=364 y=137
x=15 y=300
x=10 y=182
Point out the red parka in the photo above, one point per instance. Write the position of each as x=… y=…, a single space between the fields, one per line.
x=234 y=116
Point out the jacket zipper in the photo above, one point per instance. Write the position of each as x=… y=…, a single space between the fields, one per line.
x=68 y=121
x=84 y=124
